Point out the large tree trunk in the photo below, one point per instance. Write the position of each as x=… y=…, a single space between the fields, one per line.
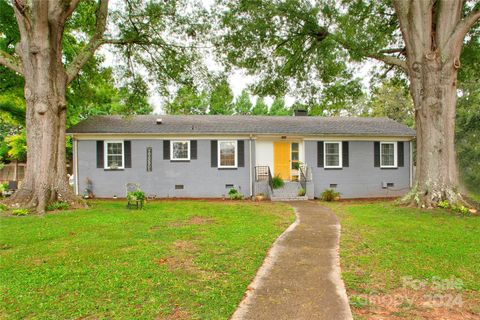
x=433 y=88
x=40 y=50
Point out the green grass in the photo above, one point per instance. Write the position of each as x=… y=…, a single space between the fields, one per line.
x=181 y=259
x=381 y=243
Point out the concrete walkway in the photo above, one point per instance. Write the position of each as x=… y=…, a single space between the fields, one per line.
x=300 y=278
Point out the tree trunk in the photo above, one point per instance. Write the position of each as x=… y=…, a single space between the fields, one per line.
x=433 y=88
x=40 y=50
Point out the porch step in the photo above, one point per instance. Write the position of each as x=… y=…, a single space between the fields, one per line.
x=289 y=192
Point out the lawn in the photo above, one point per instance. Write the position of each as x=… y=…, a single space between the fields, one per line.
x=391 y=252
x=172 y=260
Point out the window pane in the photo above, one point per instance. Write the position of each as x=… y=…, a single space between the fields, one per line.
x=294 y=156
x=332 y=160
x=114 y=161
x=294 y=146
x=114 y=148
x=388 y=154
x=114 y=154
x=180 y=150
x=332 y=148
x=227 y=153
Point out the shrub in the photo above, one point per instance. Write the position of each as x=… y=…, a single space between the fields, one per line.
x=329 y=195
x=137 y=195
x=277 y=182
x=20 y=212
x=233 y=194
x=301 y=192
x=3 y=207
x=443 y=204
x=59 y=205
x=461 y=209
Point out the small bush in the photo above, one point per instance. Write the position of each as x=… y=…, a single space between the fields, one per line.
x=329 y=195
x=59 y=205
x=3 y=187
x=461 y=209
x=20 y=212
x=137 y=195
x=233 y=194
x=301 y=192
x=3 y=207
x=443 y=204
x=277 y=182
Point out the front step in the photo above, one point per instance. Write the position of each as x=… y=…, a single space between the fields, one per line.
x=289 y=192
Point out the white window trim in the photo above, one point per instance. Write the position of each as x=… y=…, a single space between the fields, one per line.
x=395 y=158
x=340 y=151
x=105 y=153
x=235 y=142
x=171 y=150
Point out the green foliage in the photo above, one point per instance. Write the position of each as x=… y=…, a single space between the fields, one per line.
x=461 y=209
x=59 y=205
x=20 y=212
x=221 y=98
x=187 y=100
x=233 y=194
x=329 y=194
x=137 y=195
x=443 y=204
x=278 y=108
x=301 y=192
x=277 y=182
x=243 y=105
x=17 y=146
x=260 y=107
x=128 y=255
x=3 y=207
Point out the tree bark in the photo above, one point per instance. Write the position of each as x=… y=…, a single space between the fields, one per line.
x=40 y=50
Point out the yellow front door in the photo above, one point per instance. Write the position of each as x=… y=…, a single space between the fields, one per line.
x=281 y=159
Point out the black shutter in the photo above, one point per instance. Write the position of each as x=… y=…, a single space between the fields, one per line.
x=213 y=153
x=127 y=153
x=193 y=149
x=166 y=149
x=241 y=153
x=400 y=153
x=320 y=154
x=345 y=154
x=376 y=154
x=100 y=154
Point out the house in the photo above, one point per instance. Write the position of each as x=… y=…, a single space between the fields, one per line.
x=202 y=156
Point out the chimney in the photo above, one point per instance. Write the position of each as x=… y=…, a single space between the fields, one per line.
x=159 y=121
x=300 y=113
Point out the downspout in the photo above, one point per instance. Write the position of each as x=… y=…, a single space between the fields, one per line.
x=411 y=164
x=75 y=164
x=250 y=161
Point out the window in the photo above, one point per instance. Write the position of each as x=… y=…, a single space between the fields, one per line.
x=227 y=154
x=388 y=154
x=114 y=157
x=149 y=159
x=295 y=156
x=333 y=154
x=180 y=150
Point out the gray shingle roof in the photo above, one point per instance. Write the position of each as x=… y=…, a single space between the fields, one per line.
x=198 y=124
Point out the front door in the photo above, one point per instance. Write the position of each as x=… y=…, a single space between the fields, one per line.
x=281 y=159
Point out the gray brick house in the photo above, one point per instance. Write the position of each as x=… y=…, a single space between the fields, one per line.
x=206 y=156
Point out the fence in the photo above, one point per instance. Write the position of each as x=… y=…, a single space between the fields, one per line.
x=12 y=172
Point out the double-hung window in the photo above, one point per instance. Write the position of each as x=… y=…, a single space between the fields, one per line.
x=227 y=154
x=333 y=154
x=388 y=154
x=114 y=155
x=180 y=150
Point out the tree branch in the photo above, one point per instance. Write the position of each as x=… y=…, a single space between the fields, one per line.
x=71 y=8
x=456 y=39
x=95 y=42
x=10 y=62
x=389 y=60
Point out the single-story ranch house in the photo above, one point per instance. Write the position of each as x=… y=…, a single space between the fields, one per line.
x=204 y=156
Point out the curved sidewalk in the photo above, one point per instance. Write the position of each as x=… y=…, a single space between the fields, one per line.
x=300 y=278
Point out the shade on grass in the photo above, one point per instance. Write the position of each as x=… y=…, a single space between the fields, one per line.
x=381 y=243
x=188 y=259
